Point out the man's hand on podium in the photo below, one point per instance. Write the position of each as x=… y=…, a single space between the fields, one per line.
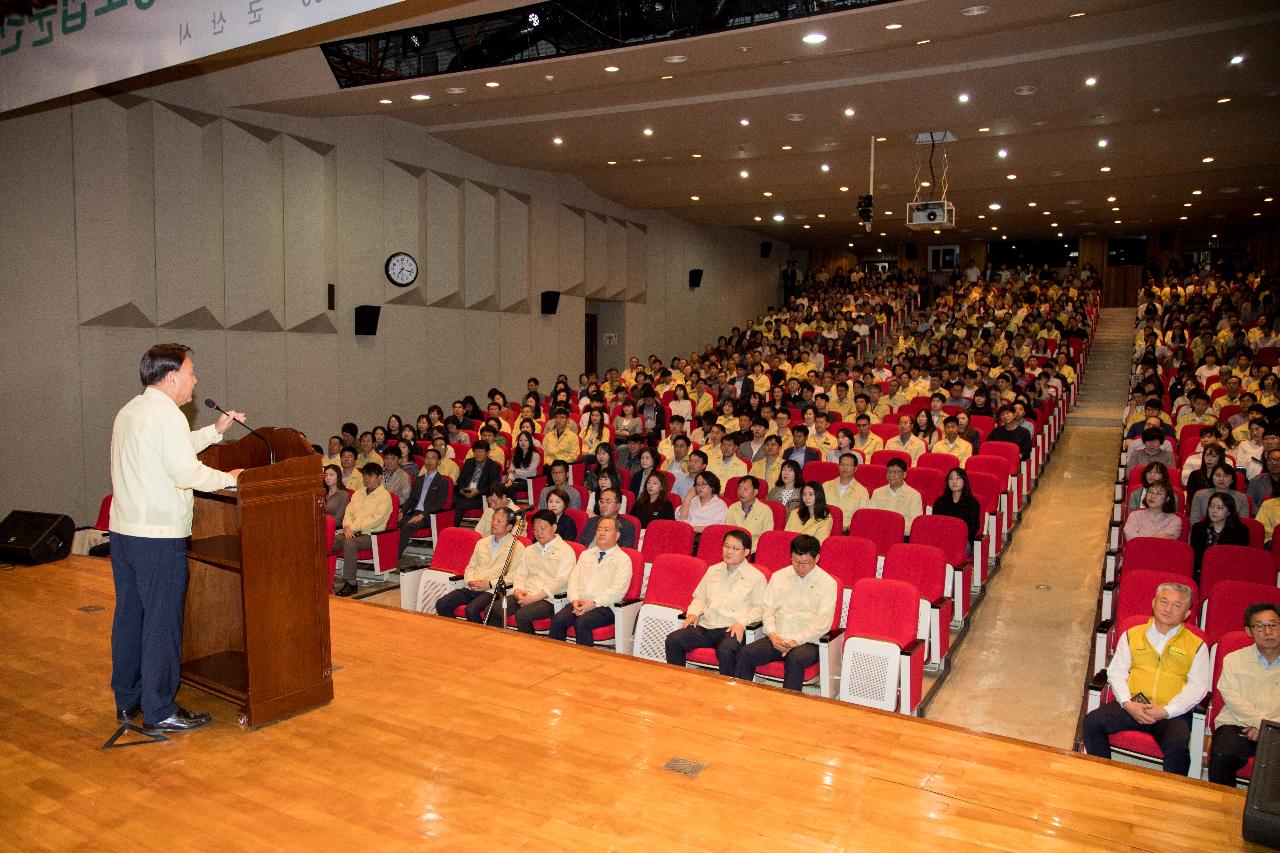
x=236 y=472
x=224 y=421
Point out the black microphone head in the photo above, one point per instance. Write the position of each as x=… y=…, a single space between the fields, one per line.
x=208 y=401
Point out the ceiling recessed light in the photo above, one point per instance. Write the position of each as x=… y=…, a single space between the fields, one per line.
x=882 y=234
x=648 y=131
x=1046 y=212
x=1257 y=213
x=1053 y=225
x=1002 y=153
x=807 y=227
x=1102 y=143
x=1115 y=210
x=963 y=97
x=1011 y=177
x=893 y=26
x=844 y=189
x=558 y=141
x=637 y=159
x=420 y=97
x=385 y=101
x=1182 y=218
x=1237 y=59
x=1031 y=204
x=850 y=245
x=744 y=121
x=744 y=174
x=666 y=77
x=767 y=194
x=925 y=184
x=995 y=227
x=1206 y=159
x=795 y=116
x=848 y=112
x=826 y=167
x=1091 y=81
x=974 y=11
x=984 y=130
x=1197 y=192
x=611 y=68
x=1076 y=15
x=882 y=139
x=778 y=217
x=1116 y=221
x=1104 y=169
x=995 y=205
x=1269 y=198
x=888 y=213
x=822 y=216
x=757 y=218
x=1059 y=233
x=814 y=38
x=695 y=198
x=675 y=58
x=1025 y=90
x=1224 y=100
x=695 y=156
x=982 y=216
x=548 y=77
x=493 y=84
x=456 y=90
x=1111 y=199
x=611 y=162
x=1186 y=204
x=924 y=41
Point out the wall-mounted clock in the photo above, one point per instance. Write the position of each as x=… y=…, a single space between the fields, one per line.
x=401 y=269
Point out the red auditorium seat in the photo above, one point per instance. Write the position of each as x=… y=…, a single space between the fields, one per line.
x=849 y=559
x=882 y=659
x=711 y=542
x=619 y=634
x=773 y=551
x=448 y=561
x=1225 y=645
x=1226 y=602
x=883 y=527
x=925 y=568
x=951 y=535
x=672 y=580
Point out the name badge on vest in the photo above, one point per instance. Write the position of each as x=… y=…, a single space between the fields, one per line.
x=1179 y=651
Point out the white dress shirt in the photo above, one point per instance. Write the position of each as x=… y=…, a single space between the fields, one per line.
x=1197 y=678
x=799 y=609
x=488 y=558
x=544 y=568
x=154 y=468
x=603 y=581
x=727 y=596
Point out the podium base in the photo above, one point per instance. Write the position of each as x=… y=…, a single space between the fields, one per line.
x=114 y=741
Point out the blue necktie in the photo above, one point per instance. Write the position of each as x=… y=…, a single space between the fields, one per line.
x=600 y=557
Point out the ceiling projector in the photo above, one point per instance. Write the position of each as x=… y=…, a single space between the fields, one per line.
x=931 y=215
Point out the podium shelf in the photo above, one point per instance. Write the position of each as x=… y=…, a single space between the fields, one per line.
x=224 y=674
x=222 y=551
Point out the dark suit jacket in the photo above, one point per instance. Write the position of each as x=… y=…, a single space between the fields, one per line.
x=435 y=495
x=489 y=475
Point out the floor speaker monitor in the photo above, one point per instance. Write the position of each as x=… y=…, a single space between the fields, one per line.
x=35 y=537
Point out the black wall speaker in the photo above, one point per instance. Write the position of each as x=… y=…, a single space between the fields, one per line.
x=550 y=301
x=332 y=296
x=1262 y=804
x=367 y=319
x=766 y=248
x=35 y=537
x=695 y=278
x=911 y=252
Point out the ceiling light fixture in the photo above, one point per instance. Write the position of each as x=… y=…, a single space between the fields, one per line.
x=778 y=217
x=493 y=84
x=744 y=121
x=456 y=90
x=974 y=11
x=1182 y=218
x=757 y=218
x=822 y=216
x=1237 y=59
x=385 y=101
x=1102 y=143
x=1076 y=15
x=882 y=139
x=923 y=41
x=1224 y=100
x=611 y=69
x=982 y=216
x=695 y=156
x=795 y=116
x=1197 y=192
x=418 y=98
x=844 y=189
x=1104 y=169
x=744 y=174
x=695 y=198
x=984 y=130
x=1091 y=81
x=1186 y=204
x=826 y=167
x=807 y=227
x=611 y=162
x=1269 y=198
x=893 y=26
x=674 y=59
x=963 y=97
x=995 y=205
x=786 y=148
x=1031 y=204
x=925 y=184
x=814 y=38
x=558 y=141
x=648 y=131
x=1011 y=177
x=1111 y=199
x=1002 y=153
x=667 y=77
x=1206 y=159
x=767 y=194
x=848 y=112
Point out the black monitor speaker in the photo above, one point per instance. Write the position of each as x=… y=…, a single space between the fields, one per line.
x=766 y=248
x=695 y=278
x=367 y=319
x=35 y=537
x=1262 y=804
x=550 y=301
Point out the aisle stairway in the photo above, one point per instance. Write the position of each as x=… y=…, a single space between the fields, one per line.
x=1021 y=669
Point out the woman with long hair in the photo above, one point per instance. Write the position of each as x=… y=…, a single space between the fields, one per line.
x=335 y=494
x=680 y=403
x=1155 y=472
x=1222 y=481
x=627 y=421
x=811 y=516
x=648 y=458
x=844 y=444
x=957 y=501
x=1221 y=525
x=595 y=432
x=786 y=489
x=601 y=461
x=606 y=478
x=1210 y=458
x=653 y=502
x=1157 y=518
x=922 y=427
x=526 y=461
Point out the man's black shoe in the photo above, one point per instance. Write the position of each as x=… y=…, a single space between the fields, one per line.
x=124 y=717
x=347 y=590
x=181 y=721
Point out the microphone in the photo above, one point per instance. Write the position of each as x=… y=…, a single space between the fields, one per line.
x=271 y=452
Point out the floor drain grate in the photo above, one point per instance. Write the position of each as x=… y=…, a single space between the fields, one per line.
x=91 y=608
x=684 y=766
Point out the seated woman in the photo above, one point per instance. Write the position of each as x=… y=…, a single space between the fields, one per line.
x=1222 y=480
x=811 y=516
x=526 y=461
x=1220 y=526
x=566 y=528
x=653 y=502
x=336 y=497
x=601 y=460
x=844 y=444
x=1155 y=472
x=786 y=490
x=596 y=432
x=957 y=501
x=606 y=478
x=705 y=507
x=680 y=403
x=1156 y=518
x=648 y=464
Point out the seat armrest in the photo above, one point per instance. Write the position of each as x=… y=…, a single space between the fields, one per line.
x=755 y=626
x=682 y=616
x=911 y=648
x=830 y=635
x=456 y=578
x=627 y=602
x=1104 y=626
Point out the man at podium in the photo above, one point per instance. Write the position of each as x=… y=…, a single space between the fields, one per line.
x=154 y=471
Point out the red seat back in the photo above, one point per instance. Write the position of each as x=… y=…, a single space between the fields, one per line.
x=453 y=550
x=1226 y=644
x=104 y=516
x=672 y=580
x=983 y=424
x=1235 y=563
x=730 y=490
x=773 y=551
x=1137 y=590
x=1149 y=552
x=870 y=475
x=929 y=482
x=950 y=535
x=925 y=566
x=883 y=527
x=882 y=457
x=664 y=536
x=580 y=518
x=1225 y=605
x=943 y=462
x=1003 y=450
x=711 y=543
x=637 y=573
x=820 y=471
x=883 y=609
x=849 y=559
x=779 y=513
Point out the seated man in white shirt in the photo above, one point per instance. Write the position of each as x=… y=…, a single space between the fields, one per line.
x=487 y=559
x=1158 y=674
x=543 y=574
x=951 y=442
x=748 y=513
x=598 y=581
x=846 y=492
x=729 y=597
x=799 y=604
x=1250 y=688
x=896 y=495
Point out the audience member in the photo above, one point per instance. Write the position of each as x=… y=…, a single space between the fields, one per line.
x=705 y=506
x=748 y=512
x=1157 y=518
x=478 y=475
x=811 y=517
x=557 y=502
x=1250 y=688
x=844 y=491
x=729 y=597
x=1220 y=526
x=396 y=480
x=493 y=552
x=653 y=503
x=367 y=513
x=610 y=505
x=598 y=580
x=896 y=496
x=957 y=501
x=336 y=496
x=786 y=489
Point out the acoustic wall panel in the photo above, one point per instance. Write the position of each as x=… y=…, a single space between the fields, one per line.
x=572 y=267
x=616 y=259
x=444 y=240
x=596 y=255
x=403 y=214
x=188 y=220
x=637 y=262
x=309 y=229
x=114 y=203
x=513 y=251
x=479 y=246
x=253 y=215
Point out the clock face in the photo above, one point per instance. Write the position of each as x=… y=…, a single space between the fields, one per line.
x=402 y=269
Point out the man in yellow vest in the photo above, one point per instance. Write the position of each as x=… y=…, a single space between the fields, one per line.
x=1159 y=672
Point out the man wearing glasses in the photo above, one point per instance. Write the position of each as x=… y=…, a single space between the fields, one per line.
x=1250 y=688
x=1159 y=672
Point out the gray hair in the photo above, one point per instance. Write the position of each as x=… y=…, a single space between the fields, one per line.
x=1180 y=588
x=509 y=515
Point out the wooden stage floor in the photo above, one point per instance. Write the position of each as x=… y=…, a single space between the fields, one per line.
x=454 y=736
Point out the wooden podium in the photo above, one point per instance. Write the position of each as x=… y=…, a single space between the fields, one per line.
x=257 y=611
